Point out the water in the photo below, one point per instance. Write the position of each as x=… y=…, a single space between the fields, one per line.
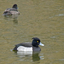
x=38 y=18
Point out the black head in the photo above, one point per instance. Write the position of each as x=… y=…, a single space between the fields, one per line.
x=15 y=6
x=35 y=42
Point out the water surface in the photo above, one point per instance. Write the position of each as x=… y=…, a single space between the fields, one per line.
x=38 y=18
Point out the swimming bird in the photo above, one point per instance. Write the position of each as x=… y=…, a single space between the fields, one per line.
x=27 y=46
x=11 y=11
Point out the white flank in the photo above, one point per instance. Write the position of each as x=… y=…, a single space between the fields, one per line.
x=22 y=48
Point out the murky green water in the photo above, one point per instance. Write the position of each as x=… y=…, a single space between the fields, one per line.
x=38 y=18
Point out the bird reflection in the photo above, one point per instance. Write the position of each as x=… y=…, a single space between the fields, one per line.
x=15 y=21
x=35 y=57
x=26 y=56
x=11 y=17
x=24 y=53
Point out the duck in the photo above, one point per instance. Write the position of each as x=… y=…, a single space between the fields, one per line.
x=11 y=11
x=30 y=47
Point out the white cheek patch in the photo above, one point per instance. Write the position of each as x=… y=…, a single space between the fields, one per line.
x=22 y=48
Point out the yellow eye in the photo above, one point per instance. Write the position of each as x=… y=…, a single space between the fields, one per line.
x=37 y=41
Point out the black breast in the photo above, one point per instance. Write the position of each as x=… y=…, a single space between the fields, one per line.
x=36 y=49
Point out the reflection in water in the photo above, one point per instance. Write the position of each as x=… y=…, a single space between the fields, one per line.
x=15 y=21
x=57 y=15
x=7 y=17
x=35 y=57
x=11 y=17
x=26 y=56
x=24 y=53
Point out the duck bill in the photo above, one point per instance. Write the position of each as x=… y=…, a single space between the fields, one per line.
x=41 y=44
